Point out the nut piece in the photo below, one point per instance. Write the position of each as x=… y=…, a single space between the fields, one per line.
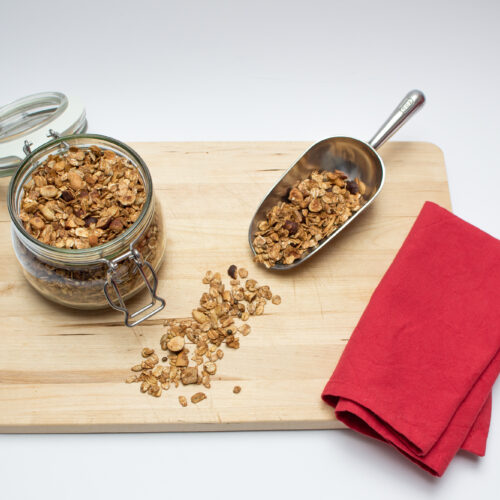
x=47 y=212
x=199 y=396
x=276 y=300
x=49 y=191
x=190 y=375
x=236 y=389
x=116 y=225
x=295 y=195
x=183 y=401
x=182 y=359
x=243 y=273
x=75 y=181
x=176 y=344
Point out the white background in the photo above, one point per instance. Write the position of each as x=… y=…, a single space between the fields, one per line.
x=261 y=70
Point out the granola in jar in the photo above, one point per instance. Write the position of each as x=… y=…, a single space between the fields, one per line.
x=78 y=204
x=82 y=198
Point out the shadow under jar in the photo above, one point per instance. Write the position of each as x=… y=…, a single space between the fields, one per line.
x=101 y=276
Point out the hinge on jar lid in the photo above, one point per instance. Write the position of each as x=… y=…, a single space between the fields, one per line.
x=135 y=256
x=24 y=124
x=28 y=144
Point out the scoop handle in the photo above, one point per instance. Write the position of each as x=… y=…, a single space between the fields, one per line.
x=410 y=104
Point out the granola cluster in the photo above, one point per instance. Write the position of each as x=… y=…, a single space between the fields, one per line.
x=212 y=326
x=82 y=198
x=315 y=208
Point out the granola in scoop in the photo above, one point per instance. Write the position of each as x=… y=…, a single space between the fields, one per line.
x=315 y=208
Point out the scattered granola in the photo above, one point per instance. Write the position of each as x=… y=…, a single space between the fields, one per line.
x=236 y=389
x=200 y=339
x=244 y=329
x=190 y=375
x=199 y=396
x=147 y=352
x=82 y=198
x=210 y=368
x=315 y=208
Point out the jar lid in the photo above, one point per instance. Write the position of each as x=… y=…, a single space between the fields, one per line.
x=31 y=121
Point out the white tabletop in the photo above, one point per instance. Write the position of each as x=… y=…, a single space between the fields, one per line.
x=276 y=70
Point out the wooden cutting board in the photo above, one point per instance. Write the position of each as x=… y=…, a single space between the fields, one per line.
x=63 y=370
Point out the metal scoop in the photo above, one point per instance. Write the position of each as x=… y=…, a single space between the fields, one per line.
x=352 y=156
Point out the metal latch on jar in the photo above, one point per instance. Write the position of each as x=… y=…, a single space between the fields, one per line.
x=134 y=255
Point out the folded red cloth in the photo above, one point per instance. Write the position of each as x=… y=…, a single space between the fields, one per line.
x=419 y=367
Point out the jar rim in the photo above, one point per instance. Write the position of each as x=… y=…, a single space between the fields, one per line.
x=96 y=253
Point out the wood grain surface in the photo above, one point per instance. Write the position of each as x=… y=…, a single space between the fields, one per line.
x=63 y=370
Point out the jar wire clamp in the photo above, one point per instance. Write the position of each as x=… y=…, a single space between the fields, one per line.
x=134 y=255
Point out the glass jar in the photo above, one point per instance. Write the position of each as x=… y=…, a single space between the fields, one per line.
x=101 y=276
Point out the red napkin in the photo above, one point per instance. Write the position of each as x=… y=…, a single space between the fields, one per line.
x=419 y=367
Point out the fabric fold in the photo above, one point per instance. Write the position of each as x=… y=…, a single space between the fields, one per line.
x=418 y=370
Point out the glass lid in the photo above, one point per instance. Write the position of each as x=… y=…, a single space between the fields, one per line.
x=31 y=121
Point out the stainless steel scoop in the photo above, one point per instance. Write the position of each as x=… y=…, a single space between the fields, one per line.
x=354 y=157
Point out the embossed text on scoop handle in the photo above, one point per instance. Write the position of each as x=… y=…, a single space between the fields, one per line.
x=410 y=104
